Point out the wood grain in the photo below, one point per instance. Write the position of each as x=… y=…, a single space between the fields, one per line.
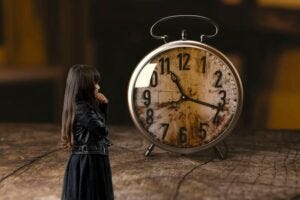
x=261 y=164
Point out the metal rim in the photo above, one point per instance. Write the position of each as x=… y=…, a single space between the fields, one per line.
x=161 y=49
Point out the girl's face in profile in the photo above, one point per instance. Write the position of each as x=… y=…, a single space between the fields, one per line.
x=99 y=96
x=97 y=88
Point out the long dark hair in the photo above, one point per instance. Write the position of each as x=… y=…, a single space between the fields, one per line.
x=80 y=85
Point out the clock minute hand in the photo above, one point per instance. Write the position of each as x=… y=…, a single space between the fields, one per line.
x=204 y=103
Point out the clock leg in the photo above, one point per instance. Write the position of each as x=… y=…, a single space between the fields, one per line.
x=149 y=150
x=221 y=152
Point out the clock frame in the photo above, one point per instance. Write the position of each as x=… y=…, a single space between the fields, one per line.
x=168 y=47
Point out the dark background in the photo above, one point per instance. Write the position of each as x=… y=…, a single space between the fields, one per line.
x=40 y=40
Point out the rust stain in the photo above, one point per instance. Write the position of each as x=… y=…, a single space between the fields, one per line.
x=165 y=99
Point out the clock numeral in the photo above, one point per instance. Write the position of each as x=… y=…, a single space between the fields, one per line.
x=181 y=56
x=149 y=118
x=202 y=130
x=223 y=97
x=216 y=119
x=203 y=59
x=147 y=97
x=219 y=74
x=154 y=79
x=164 y=63
x=166 y=127
x=182 y=136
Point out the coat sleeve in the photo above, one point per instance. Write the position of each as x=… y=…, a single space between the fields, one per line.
x=93 y=123
x=104 y=109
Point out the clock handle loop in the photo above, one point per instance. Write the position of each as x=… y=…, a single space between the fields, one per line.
x=202 y=36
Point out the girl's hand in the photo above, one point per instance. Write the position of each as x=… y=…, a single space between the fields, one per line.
x=101 y=98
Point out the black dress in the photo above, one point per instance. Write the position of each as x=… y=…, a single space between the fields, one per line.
x=88 y=176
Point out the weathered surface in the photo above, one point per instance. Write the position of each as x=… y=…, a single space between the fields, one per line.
x=261 y=165
x=186 y=97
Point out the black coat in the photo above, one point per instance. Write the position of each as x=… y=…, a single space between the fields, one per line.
x=90 y=125
x=88 y=176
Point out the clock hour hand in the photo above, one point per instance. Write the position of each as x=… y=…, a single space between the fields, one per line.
x=176 y=80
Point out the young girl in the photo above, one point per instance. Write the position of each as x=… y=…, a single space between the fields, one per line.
x=84 y=133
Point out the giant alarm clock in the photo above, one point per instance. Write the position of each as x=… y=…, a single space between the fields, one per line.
x=185 y=96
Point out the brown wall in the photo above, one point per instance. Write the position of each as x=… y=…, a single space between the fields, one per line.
x=40 y=40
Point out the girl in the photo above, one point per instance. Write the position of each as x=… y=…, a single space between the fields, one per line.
x=84 y=133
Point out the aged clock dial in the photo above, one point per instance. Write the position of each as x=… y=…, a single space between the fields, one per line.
x=186 y=97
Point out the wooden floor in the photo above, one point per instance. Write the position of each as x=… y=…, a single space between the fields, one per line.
x=260 y=165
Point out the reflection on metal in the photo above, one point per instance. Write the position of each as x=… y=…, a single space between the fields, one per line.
x=221 y=150
x=149 y=150
x=144 y=77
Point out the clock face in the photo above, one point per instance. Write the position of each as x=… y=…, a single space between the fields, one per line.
x=186 y=97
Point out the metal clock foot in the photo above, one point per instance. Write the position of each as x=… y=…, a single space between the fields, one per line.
x=149 y=150
x=221 y=151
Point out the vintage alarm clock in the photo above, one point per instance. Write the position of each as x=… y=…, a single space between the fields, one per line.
x=185 y=96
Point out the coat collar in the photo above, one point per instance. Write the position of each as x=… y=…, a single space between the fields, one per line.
x=96 y=111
